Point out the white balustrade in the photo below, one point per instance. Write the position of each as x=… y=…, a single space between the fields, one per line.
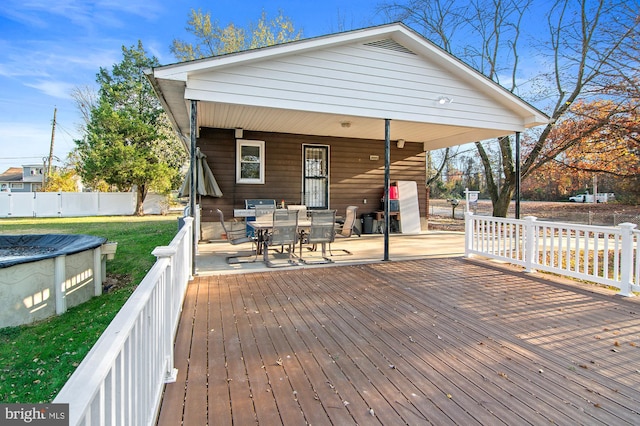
x=600 y=254
x=122 y=378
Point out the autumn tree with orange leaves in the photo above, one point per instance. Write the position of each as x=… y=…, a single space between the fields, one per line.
x=600 y=138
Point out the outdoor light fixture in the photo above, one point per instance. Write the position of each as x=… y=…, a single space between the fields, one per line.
x=400 y=143
x=239 y=133
x=444 y=100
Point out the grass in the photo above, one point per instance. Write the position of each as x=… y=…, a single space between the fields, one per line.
x=37 y=359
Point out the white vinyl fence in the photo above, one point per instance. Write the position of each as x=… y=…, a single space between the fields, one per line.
x=76 y=204
x=600 y=254
x=122 y=378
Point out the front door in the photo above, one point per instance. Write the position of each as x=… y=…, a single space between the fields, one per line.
x=316 y=176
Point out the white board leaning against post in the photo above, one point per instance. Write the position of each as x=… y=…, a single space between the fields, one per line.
x=409 y=208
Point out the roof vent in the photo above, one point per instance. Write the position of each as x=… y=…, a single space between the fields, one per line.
x=390 y=45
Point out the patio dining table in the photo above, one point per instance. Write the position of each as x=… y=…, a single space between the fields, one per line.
x=264 y=225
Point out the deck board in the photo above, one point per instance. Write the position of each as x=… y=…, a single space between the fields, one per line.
x=196 y=395
x=173 y=414
x=217 y=392
x=433 y=341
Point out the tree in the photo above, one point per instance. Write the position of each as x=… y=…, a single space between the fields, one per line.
x=128 y=141
x=62 y=180
x=86 y=99
x=599 y=138
x=213 y=40
x=582 y=53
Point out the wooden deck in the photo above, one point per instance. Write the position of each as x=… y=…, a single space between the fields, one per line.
x=435 y=341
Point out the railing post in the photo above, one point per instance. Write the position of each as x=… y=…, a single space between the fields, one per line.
x=168 y=253
x=189 y=221
x=469 y=228
x=530 y=250
x=626 y=258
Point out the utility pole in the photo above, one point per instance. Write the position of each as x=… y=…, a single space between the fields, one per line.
x=53 y=136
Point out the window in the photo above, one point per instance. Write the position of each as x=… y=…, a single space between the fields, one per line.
x=17 y=186
x=249 y=161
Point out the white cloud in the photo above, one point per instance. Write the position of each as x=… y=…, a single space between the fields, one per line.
x=84 y=13
x=54 y=89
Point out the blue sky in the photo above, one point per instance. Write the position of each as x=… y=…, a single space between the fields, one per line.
x=49 y=47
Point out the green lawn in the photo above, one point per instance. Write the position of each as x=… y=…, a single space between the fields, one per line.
x=37 y=359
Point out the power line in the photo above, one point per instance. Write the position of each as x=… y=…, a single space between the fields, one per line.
x=19 y=158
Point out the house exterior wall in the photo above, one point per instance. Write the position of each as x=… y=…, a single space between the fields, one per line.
x=33 y=174
x=27 y=178
x=353 y=176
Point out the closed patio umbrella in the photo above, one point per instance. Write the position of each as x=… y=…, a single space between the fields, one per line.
x=205 y=181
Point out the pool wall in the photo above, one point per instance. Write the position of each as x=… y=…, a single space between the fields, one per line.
x=42 y=288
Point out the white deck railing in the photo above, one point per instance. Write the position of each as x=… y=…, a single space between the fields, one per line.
x=600 y=254
x=122 y=378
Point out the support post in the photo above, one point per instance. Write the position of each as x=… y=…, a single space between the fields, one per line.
x=59 y=280
x=387 y=182
x=517 y=175
x=192 y=191
x=626 y=259
x=97 y=271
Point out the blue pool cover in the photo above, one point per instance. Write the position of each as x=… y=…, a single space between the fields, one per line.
x=15 y=249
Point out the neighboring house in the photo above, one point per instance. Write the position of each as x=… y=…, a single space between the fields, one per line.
x=310 y=121
x=28 y=178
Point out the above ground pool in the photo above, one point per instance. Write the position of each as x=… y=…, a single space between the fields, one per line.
x=43 y=275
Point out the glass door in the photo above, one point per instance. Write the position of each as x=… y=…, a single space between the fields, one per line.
x=316 y=176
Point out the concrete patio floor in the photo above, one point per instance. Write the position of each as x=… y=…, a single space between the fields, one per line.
x=211 y=256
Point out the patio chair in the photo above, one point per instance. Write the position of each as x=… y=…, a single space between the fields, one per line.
x=259 y=204
x=346 y=229
x=322 y=231
x=302 y=210
x=283 y=233
x=264 y=213
x=236 y=237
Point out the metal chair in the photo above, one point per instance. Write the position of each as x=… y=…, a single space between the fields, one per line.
x=302 y=210
x=283 y=233
x=236 y=237
x=322 y=231
x=258 y=204
x=264 y=212
x=346 y=229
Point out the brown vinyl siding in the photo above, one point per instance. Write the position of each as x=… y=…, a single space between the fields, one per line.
x=353 y=176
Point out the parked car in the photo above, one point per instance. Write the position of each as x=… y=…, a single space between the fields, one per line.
x=602 y=197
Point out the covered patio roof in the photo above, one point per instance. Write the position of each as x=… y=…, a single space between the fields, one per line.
x=345 y=85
